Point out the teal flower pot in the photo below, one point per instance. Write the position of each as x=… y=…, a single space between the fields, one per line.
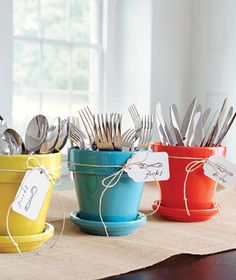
x=121 y=202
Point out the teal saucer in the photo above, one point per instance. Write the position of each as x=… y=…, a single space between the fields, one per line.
x=113 y=228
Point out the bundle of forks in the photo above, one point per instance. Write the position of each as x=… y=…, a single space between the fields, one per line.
x=104 y=131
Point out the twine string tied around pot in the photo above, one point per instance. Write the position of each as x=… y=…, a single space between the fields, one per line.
x=191 y=167
x=114 y=179
x=50 y=175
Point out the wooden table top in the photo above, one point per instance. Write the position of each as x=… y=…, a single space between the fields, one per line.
x=220 y=266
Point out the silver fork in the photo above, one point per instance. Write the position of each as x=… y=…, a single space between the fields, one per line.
x=73 y=128
x=136 y=119
x=75 y=134
x=102 y=134
x=146 y=133
x=116 y=131
x=77 y=140
x=87 y=119
x=128 y=138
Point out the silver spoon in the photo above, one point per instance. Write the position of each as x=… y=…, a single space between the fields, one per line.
x=63 y=135
x=4 y=147
x=3 y=125
x=15 y=142
x=36 y=133
x=51 y=138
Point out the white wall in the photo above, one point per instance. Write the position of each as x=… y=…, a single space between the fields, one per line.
x=147 y=54
x=127 y=55
x=171 y=53
x=214 y=49
x=194 y=54
x=214 y=57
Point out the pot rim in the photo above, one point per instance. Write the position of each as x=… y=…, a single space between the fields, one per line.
x=22 y=156
x=100 y=152
x=169 y=147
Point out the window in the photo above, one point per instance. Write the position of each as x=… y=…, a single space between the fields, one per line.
x=56 y=57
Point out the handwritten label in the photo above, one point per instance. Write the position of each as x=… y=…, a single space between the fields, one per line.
x=148 y=166
x=221 y=171
x=31 y=194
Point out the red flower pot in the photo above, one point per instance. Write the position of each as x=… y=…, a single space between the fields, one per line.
x=199 y=190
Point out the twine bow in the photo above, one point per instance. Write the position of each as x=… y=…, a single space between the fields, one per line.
x=113 y=177
x=50 y=176
x=191 y=167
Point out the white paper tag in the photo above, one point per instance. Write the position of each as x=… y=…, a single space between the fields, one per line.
x=148 y=166
x=31 y=193
x=220 y=170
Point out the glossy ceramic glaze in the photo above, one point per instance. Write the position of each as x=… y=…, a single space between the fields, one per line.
x=121 y=202
x=9 y=183
x=181 y=215
x=113 y=228
x=200 y=189
x=26 y=242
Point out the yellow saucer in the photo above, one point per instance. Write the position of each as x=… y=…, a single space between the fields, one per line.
x=26 y=242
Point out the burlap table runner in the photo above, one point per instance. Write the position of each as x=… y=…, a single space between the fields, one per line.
x=81 y=256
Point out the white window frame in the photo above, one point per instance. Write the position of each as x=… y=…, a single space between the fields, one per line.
x=6 y=30
x=6 y=57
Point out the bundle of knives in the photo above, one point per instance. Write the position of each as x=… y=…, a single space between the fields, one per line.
x=201 y=129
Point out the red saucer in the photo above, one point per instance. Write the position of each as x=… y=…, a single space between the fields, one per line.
x=180 y=215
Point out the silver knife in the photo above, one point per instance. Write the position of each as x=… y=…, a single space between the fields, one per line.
x=187 y=122
x=205 y=117
x=176 y=113
x=207 y=128
x=175 y=126
x=198 y=129
x=225 y=127
x=215 y=128
x=162 y=123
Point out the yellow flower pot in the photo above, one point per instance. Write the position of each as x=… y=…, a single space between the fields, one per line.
x=10 y=180
x=26 y=242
